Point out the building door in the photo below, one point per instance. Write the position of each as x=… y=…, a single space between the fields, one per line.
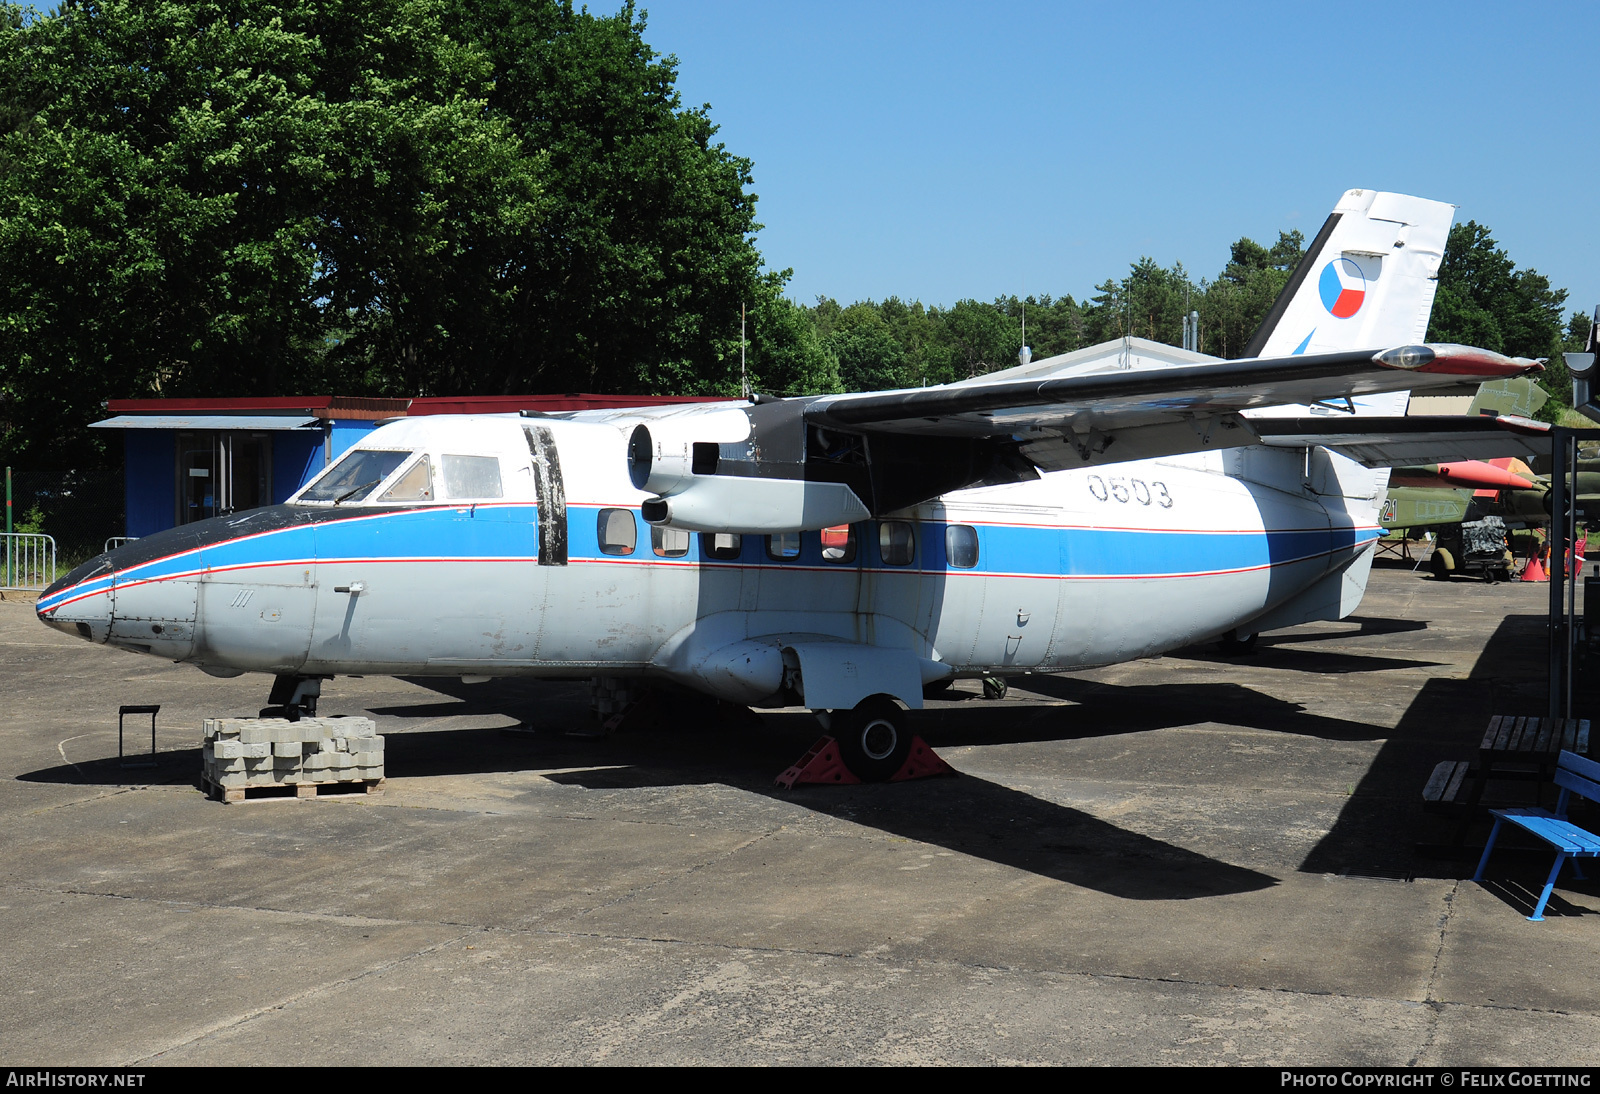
x=220 y=473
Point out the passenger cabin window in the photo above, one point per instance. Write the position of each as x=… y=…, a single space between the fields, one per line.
x=839 y=544
x=724 y=546
x=355 y=476
x=618 y=534
x=415 y=485
x=961 y=546
x=784 y=545
x=669 y=542
x=895 y=545
x=471 y=476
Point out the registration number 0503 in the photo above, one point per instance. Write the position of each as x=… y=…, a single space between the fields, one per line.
x=1125 y=490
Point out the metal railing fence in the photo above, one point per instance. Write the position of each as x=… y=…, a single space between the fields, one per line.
x=27 y=561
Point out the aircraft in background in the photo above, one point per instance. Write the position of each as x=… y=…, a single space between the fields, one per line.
x=842 y=552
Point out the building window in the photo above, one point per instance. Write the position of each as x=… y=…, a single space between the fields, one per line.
x=618 y=533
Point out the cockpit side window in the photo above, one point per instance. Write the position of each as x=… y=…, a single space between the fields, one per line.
x=356 y=474
x=471 y=476
x=415 y=485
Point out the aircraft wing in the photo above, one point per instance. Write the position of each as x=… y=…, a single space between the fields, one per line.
x=1401 y=442
x=1080 y=421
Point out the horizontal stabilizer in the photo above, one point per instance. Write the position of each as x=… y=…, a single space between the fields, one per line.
x=1399 y=442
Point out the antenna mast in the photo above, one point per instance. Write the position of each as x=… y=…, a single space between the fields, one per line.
x=744 y=378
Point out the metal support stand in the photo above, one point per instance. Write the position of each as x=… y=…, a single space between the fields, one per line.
x=123 y=712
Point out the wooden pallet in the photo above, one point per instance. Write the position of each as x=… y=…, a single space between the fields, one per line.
x=288 y=790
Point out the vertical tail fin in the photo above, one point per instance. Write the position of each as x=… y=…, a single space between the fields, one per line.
x=1366 y=282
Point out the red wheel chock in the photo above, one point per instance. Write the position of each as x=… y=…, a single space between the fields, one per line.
x=923 y=763
x=823 y=764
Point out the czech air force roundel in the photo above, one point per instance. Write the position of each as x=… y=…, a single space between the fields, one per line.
x=1342 y=288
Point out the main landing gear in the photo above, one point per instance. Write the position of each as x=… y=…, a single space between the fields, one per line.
x=292 y=697
x=870 y=743
x=873 y=740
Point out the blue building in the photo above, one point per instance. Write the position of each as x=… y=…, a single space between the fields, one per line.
x=188 y=459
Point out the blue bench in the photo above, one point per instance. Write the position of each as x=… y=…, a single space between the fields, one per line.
x=1574 y=775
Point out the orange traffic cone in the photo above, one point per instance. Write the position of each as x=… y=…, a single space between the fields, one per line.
x=1533 y=571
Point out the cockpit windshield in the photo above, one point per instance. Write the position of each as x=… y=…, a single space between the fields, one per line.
x=357 y=474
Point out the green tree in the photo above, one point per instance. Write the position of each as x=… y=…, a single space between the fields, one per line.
x=379 y=196
x=201 y=192
x=647 y=252
x=1233 y=306
x=981 y=338
x=786 y=355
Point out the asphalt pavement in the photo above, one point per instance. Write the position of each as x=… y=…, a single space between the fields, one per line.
x=1194 y=859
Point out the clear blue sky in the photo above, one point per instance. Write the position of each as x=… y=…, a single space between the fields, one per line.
x=939 y=150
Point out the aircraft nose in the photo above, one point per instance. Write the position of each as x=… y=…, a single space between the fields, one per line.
x=80 y=603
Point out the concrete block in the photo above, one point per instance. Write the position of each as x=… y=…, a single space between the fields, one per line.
x=369 y=759
x=257 y=751
x=255 y=734
x=228 y=750
x=226 y=765
x=230 y=778
x=286 y=748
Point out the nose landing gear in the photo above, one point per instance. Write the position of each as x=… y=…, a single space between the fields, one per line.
x=292 y=697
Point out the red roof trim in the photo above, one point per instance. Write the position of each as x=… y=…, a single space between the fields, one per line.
x=505 y=404
x=359 y=408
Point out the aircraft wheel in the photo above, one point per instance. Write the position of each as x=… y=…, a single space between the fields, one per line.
x=873 y=739
x=1439 y=563
x=939 y=688
x=1235 y=643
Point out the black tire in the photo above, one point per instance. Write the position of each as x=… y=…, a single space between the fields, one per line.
x=1440 y=568
x=873 y=739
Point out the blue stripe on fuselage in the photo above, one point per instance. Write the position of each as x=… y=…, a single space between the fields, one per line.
x=508 y=532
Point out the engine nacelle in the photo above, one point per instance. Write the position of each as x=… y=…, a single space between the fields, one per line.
x=728 y=503
x=665 y=456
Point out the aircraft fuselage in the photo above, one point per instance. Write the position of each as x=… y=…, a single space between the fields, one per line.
x=1077 y=568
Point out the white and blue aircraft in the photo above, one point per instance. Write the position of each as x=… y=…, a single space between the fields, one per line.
x=842 y=552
